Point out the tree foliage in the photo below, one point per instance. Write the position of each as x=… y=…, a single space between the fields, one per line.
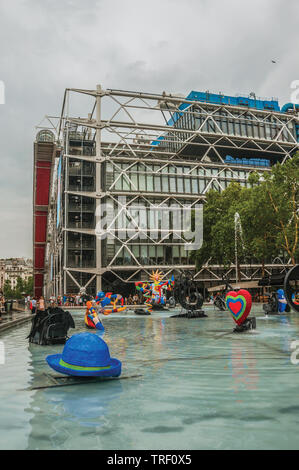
x=22 y=288
x=268 y=211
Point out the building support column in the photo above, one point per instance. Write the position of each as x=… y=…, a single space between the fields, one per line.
x=98 y=189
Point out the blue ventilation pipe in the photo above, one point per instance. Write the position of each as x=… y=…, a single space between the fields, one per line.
x=289 y=106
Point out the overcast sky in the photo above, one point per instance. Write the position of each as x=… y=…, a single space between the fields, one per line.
x=148 y=45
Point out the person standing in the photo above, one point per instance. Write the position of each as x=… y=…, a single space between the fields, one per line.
x=41 y=304
x=33 y=306
x=2 y=308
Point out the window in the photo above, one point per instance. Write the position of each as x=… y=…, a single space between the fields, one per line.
x=165 y=187
x=180 y=185
x=268 y=131
x=118 y=184
x=262 y=131
x=134 y=180
x=194 y=186
x=176 y=254
x=157 y=181
x=202 y=185
x=152 y=253
x=187 y=185
x=243 y=128
x=135 y=250
x=237 y=127
x=142 y=186
x=150 y=183
x=160 y=255
x=231 y=126
x=172 y=184
x=126 y=185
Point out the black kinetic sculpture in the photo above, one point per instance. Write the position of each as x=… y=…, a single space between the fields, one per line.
x=291 y=287
x=219 y=301
x=186 y=293
x=50 y=326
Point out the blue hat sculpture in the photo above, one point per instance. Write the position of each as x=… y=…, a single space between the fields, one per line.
x=85 y=355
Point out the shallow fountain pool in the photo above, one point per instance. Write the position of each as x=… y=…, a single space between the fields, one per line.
x=191 y=384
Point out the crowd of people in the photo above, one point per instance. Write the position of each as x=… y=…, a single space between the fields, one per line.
x=134 y=300
x=72 y=300
x=35 y=303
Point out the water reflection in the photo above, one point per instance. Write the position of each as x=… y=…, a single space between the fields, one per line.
x=61 y=415
x=243 y=367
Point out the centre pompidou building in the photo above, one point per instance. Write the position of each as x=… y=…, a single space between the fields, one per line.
x=120 y=179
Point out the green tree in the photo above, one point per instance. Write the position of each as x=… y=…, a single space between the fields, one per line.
x=22 y=287
x=7 y=290
x=257 y=223
x=268 y=211
x=28 y=286
x=219 y=226
x=282 y=190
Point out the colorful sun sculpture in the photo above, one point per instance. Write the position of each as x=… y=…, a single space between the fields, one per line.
x=154 y=290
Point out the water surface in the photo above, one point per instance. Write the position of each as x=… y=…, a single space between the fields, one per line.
x=201 y=387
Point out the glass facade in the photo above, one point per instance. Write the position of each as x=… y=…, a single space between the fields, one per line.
x=231 y=123
x=175 y=179
x=81 y=175
x=80 y=214
x=151 y=232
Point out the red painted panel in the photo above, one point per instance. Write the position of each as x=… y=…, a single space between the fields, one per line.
x=39 y=255
x=41 y=198
x=38 y=284
x=42 y=186
x=40 y=226
x=43 y=164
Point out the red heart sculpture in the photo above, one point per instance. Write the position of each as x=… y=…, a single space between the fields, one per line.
x=239 y=304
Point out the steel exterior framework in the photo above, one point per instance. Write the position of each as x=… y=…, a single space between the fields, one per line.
x=137 y=131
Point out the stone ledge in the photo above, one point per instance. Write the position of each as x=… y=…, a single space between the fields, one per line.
x=13 y=323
